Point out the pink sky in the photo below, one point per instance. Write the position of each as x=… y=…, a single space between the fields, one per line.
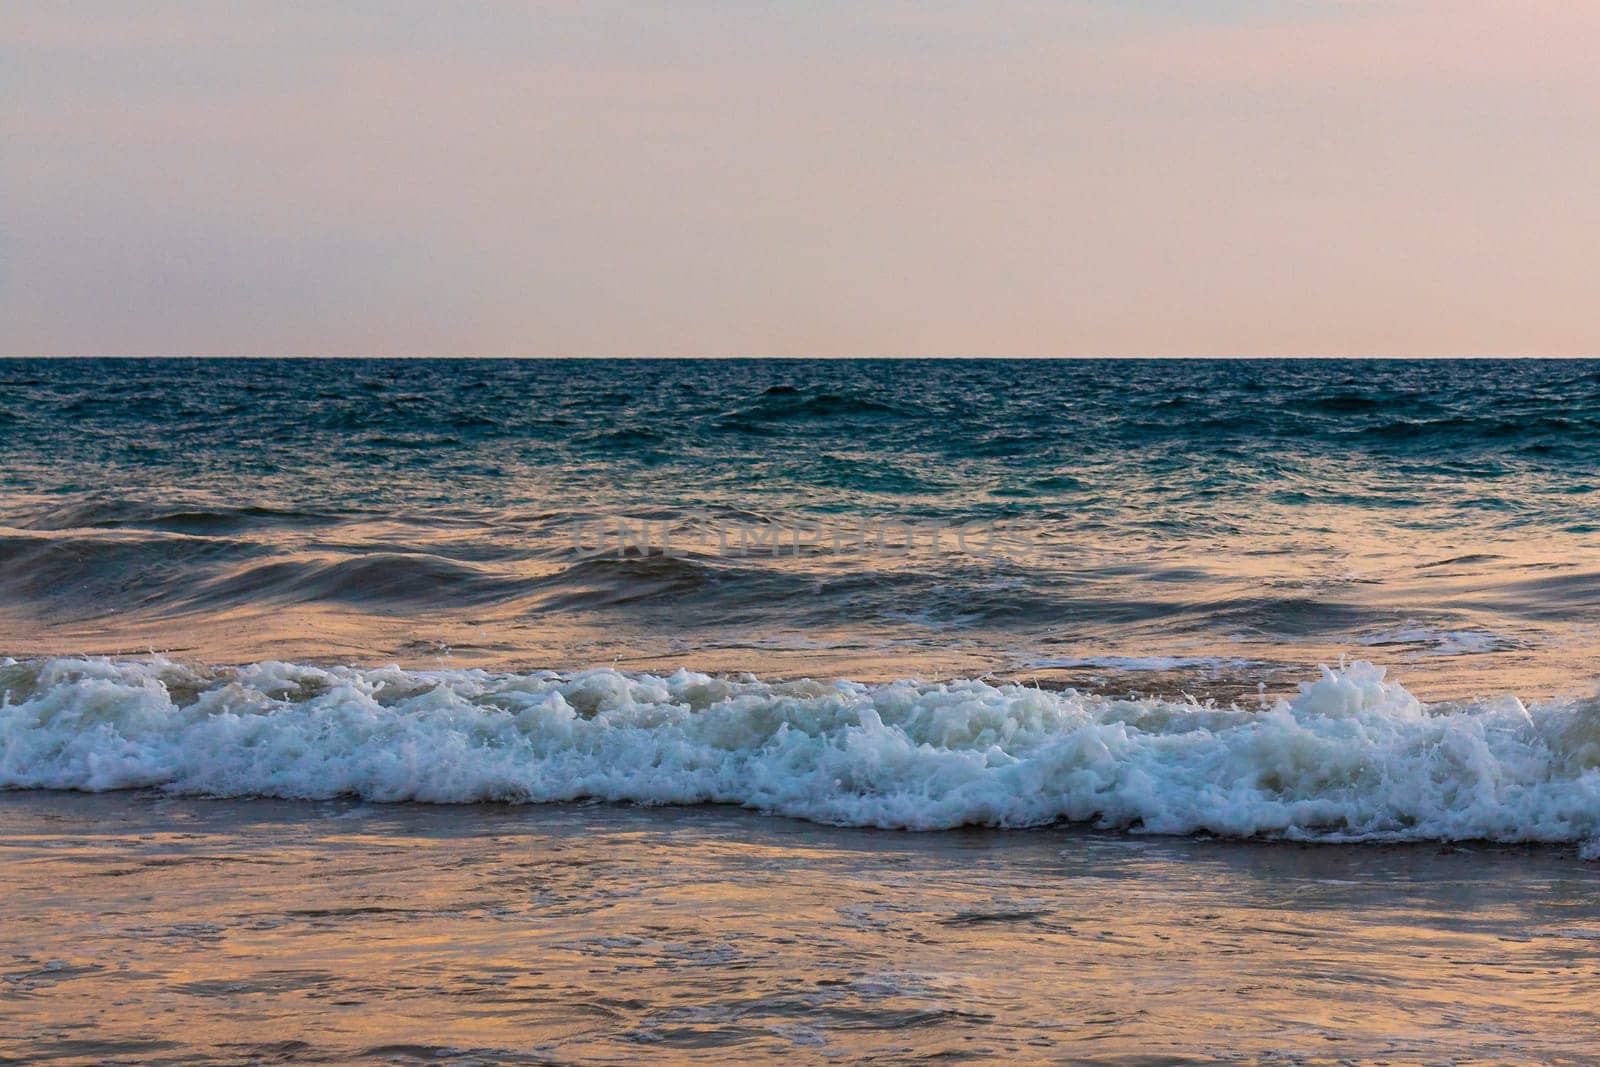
x=822 y=178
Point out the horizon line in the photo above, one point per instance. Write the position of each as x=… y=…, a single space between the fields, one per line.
x=775 y=358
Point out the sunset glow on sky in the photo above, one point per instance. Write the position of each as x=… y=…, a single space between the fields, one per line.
x=719 y=178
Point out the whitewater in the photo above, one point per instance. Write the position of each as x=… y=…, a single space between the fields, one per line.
x=1352 y=757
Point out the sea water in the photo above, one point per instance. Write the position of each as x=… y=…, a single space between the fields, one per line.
x=1255 y=719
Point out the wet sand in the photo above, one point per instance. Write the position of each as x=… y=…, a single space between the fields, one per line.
x=144 y=929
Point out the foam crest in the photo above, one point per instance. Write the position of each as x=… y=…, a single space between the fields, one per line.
x=1353 y=757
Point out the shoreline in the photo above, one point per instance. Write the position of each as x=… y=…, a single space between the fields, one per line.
x=211 y=932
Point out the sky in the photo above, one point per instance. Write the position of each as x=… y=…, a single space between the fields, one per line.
x=758 y=177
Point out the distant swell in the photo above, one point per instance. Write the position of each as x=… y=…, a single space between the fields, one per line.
x=1353 y=757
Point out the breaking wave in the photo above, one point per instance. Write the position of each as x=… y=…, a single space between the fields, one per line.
x=1352 y=757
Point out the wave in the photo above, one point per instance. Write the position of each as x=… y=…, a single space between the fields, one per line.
x=377 y=579
x=134 y=572
x=107 y=570
x=602 y=582
x=108 y=512
x=1352 y=757
x=785 y=404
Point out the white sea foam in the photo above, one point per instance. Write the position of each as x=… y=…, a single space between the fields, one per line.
x=1443 y=642
x=1352 y=757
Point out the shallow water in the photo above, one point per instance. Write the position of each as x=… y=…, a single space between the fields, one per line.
x=205 y=932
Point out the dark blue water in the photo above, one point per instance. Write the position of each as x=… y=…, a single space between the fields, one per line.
x=1204 y=514
x=1193 y=441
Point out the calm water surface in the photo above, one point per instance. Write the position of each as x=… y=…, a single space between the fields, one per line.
x=264 y=932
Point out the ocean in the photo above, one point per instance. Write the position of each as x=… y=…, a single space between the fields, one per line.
x=1297 y=659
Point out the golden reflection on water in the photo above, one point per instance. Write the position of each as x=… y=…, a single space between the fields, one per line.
x=158 y=930
x=1456 y=610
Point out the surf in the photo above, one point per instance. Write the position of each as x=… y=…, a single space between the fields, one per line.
x=1352 y=756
